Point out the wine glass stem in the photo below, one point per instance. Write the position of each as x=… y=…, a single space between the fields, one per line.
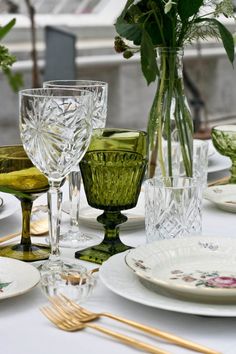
x=26 y=206
x=74 y=191
x=54 y=208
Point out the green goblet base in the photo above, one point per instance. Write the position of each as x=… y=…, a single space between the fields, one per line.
x=103 y=251
x=27 y=253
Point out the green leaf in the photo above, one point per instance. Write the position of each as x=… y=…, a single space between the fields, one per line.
x=227 y=40
x=226 y=36
x=154 y=33
x=123 y=13
x=188 y=8
x=18 y=194
x=132 y=32
x=5 y=29
x=148 y=58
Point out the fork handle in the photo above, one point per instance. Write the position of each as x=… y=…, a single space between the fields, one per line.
x=128 y=340
x=162 y=334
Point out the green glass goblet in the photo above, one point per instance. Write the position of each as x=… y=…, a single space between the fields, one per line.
x=112 y=170
x=18 y=176
x=224 y=140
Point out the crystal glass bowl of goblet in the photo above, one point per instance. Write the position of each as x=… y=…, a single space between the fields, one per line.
x=21 y=178
x=112 y=169
x=224 y=140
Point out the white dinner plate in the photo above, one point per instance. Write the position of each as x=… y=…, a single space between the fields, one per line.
x=211 y=151
x=201 y=268
x=16 y=277
x=121 y=280
x=218 y=163
x=224 y=197
x=10 y=205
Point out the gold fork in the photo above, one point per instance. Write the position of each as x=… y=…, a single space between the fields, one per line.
x=67 y=322
x=84 y=315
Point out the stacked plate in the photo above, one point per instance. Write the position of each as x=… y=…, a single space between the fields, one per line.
x=194 y=275
x=224 y=197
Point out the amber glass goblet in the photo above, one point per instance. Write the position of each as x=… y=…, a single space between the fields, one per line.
x=112 y=169
x=21 y=178
x=224 y=140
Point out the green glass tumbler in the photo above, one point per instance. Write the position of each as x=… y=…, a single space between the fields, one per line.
x=112 y=170
x=224 y=140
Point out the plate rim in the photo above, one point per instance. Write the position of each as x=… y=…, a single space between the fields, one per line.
x=12 y=209
x=221 y=205
x=25 y=289
x=161 y=301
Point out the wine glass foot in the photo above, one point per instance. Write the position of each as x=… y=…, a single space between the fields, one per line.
x=100 y=253
x=78 y=240
x=35 y=252
x=53 y=266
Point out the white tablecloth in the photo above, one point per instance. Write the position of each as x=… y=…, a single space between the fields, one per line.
x=24 y=330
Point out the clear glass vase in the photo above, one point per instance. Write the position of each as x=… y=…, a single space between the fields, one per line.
x=170 y=125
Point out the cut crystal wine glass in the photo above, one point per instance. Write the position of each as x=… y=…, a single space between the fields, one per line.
x=55 y=128
x=74 y=237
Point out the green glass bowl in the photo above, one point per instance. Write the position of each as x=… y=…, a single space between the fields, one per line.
x=224 y=140
x=18 y=176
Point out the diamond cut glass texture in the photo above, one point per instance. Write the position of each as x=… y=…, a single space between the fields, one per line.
x=55 y=131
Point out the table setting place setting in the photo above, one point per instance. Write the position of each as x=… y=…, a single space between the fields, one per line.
x=121 y=240
x=96 y=227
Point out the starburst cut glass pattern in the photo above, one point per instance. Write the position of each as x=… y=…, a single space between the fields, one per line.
x=55 y=127
x=55 y=131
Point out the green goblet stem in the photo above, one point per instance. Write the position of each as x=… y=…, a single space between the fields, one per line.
x=26 y=206
x=111 y=220
x=111 y=243
x=233 y=171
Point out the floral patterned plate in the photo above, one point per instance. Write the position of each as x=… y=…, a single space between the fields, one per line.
x=121 y=280
x=16 y=277
x=223 y=196
x=194 y=268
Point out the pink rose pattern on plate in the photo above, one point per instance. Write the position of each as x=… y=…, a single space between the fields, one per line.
x=205 y=279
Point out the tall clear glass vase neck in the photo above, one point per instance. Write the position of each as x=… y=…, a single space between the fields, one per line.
x=170 y=126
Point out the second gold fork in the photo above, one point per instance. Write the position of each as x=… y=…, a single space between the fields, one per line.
x=85 y=316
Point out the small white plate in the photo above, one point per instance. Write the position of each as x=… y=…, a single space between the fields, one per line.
x=218 y=163
x=88 y=216
x=211 y=151
x=10 y=205
x=200 y=268
x=223 y=196
x=118 y=278
x=16 y=277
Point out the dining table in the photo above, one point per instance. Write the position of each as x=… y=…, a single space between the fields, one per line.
x=25 y=330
